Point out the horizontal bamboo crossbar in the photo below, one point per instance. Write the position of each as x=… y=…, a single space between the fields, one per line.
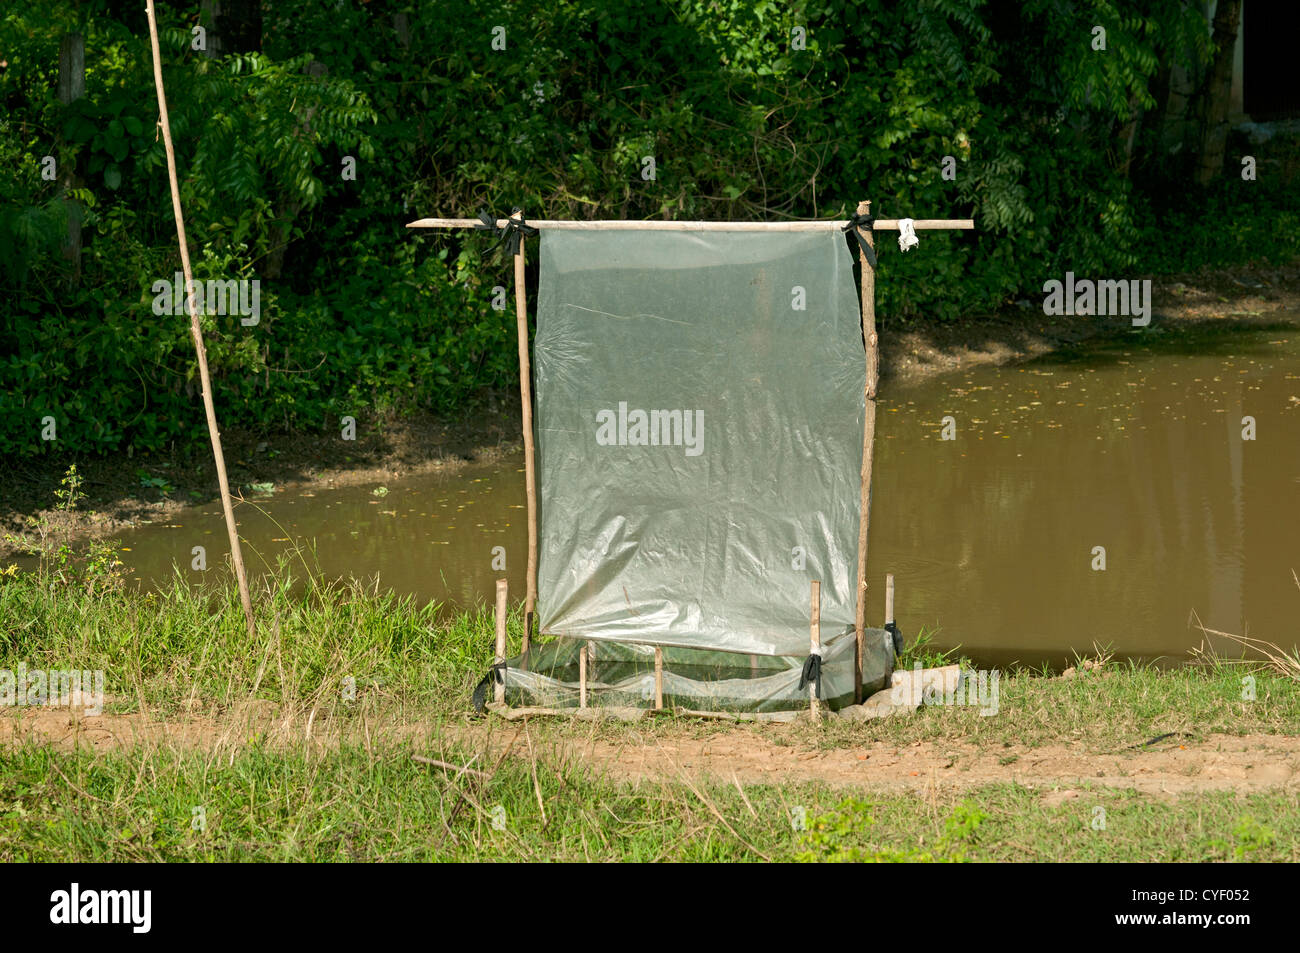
x=920 y=224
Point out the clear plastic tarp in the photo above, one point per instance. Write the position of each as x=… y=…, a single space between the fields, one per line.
x=622 y=675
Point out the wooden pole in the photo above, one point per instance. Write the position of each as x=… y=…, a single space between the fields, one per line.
x=871 y=341
x=499 y=693
x=530 y=472
x=889 y=597
x=659 y=677
x=582 y=676
x=884 y=224
x=196 y=331
x=815 y=638
x=72 y=86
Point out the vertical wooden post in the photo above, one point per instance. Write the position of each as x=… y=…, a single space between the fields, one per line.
x=72 y=86
x=196 y=332
x=868 y=288
x=659 y=677
x=499 y=693
x=582 y=676
x=815 y=638
x=530 y=472
x=889 y=597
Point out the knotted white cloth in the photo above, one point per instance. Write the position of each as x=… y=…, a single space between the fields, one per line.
x=906 y=235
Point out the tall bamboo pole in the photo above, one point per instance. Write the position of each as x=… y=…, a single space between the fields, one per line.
x=868 y=446
x=196 y=331
x=530 y=471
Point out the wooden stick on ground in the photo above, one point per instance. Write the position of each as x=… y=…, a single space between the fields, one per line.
x=196 y=331
x=530 y=471
x=815 y=638
x=499 y=692
x=868 y=446
x=446 y=766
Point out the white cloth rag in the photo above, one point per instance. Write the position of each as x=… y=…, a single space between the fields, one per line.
x=906 y=235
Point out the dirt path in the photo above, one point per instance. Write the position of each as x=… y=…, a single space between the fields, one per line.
x=667 y=752
x=1215 y=763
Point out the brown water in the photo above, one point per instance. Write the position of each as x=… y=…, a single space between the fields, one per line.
x=435 y=537
x=1136 y=447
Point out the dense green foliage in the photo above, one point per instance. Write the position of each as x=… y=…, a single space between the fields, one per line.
x=360 y=316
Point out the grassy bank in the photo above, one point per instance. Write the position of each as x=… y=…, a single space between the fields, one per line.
x=171 y=650
x=167 y=648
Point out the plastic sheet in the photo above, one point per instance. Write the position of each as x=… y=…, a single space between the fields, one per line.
x=622 y=675
x=699 y=431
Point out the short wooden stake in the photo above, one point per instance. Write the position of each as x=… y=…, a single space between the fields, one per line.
x=582 y=676
x=659 y=677
x=815 y=638
x=530 y=470
x=872 y=342
x=889 y=598
x=499 y=693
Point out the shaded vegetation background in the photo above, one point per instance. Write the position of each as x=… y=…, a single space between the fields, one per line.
x=1063 y=157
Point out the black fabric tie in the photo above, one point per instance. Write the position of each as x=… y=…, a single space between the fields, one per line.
x=512 y=232
x=812 y=673
x=892 y=629
x=497 y=673
x=863 y=221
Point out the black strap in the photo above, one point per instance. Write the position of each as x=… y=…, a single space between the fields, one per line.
x=497 y=673
x=892 y=629
x=512 y=232
x=863 y=221
x=812 y=673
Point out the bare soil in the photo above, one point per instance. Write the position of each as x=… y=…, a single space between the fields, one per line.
x=418 y=444
x=1216 y=763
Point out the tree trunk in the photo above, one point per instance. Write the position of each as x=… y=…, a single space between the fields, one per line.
x=1152 y=126
x=1128 y=133
x=72 y=86
x=1217 y=92
x=234 y=26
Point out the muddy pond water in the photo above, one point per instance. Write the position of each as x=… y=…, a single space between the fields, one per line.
x=1135 y=446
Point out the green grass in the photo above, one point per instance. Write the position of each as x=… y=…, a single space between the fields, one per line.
x=379 y=805
x=167 y=648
